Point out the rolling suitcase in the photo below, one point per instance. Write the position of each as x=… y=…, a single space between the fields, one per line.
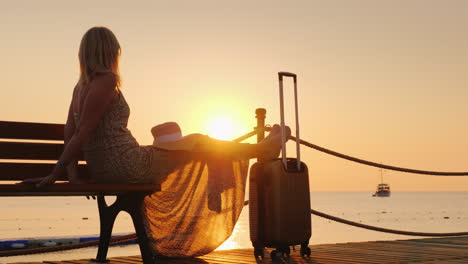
x=279 y=207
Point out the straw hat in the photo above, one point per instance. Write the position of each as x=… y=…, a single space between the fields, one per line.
x=166 y=132
x=169 y=136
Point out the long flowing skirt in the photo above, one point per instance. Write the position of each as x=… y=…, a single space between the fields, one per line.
x=199 y=204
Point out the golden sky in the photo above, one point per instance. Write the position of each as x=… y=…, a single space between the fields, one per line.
x=380 y=80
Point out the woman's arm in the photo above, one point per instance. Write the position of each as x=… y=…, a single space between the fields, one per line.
x=101 y=93
x=72 y=168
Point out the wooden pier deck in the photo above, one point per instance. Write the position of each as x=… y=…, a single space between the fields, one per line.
x=430 y=251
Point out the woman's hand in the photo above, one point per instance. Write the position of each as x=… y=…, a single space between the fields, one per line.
x=47 y=181
x=42 y=181
x=32 y=180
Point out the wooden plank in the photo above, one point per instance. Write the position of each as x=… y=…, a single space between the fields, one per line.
x=402 y=249
x=364 y=251
x=81 y=261
x=123 y=260
x=360 y=258
x=457 y=242
x=26 y=130
x=134 y=258
x=375 y=256
x=414 y=250
x=29 y=262
x=10 y=171
x=423 y=246
x=30 y=151
x=232 y=260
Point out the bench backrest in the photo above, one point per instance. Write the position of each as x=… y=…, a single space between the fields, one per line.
x=30 y=149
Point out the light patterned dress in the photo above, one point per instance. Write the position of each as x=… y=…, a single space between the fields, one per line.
x=114 y=156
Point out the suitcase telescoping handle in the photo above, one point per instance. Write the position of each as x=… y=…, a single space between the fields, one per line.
x=283 y=134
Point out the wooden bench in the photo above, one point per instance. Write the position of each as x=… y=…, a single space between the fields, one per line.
x=29 y=150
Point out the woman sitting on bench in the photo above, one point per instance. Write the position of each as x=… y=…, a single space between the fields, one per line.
x=191 y=215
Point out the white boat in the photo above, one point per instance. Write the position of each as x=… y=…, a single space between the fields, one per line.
x=383 y=189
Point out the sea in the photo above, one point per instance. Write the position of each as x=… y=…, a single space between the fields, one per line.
x=46 y=217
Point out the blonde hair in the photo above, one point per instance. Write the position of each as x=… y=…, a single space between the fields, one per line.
x=99 y=54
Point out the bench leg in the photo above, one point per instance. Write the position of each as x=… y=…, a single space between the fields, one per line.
x=132 y=204
x=135 y=208
x=143 y=241
x=107 y=215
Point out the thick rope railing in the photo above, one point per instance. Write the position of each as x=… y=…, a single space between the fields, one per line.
x=246 y=136
x=366 y=162
x=378 y=165
x=385 y=230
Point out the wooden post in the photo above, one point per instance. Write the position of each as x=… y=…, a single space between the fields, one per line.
x=260 y=114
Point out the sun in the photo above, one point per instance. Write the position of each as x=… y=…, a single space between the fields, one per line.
x=220 y=118
x=222 y=128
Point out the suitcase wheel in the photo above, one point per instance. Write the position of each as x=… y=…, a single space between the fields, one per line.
x=305 y=250
x=259 y=252
x=275 y=255
x=280 y=252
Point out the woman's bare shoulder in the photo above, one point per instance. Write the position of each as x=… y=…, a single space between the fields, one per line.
x=102 y=88
x=106 y=81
